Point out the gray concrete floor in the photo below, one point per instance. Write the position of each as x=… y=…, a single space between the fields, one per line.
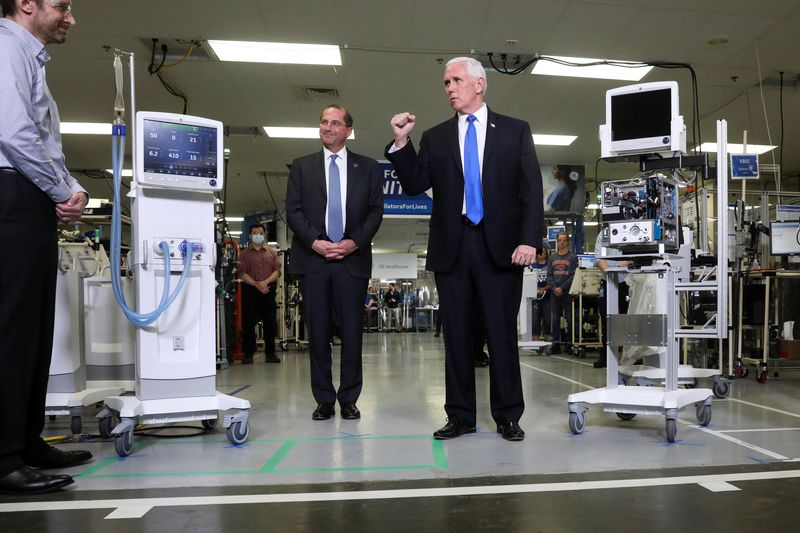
x=755 y=429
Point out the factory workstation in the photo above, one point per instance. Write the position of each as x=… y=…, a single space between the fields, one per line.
x=521 y=266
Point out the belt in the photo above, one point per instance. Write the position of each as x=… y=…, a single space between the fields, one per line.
x=8 y=170
x=468 y=222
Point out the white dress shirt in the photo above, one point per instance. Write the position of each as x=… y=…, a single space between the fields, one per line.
x=341 y=162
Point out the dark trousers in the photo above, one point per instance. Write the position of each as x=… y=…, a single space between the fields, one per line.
x=333 y=288
x=602 y=301
x=475 y=282
x=561 y=305
x=28 y=262
x=541 y=316
x=255 y=307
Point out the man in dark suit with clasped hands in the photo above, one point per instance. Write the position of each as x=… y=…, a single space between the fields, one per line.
x=485 y=227
x=334 y=206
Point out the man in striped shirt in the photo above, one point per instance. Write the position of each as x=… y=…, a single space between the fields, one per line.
x=36 y=192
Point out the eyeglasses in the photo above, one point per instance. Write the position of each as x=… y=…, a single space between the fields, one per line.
x=333 y=124
x=64 y=7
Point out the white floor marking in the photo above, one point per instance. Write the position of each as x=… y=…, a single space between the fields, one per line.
x=129 y=511
x=129 y=505
x=758 y=430
x=719 y=486
x=768 y=408
x=556 y=376
x=571 y=360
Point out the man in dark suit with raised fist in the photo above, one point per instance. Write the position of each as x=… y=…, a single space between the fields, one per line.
x=485 y=227
x=334 y=206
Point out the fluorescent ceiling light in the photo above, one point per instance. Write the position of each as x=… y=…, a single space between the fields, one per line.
x=86 y=128
x=604 y=72
x=738 y=148
x=280 y=132
x=543 y=139
x=590 y=223
x=234 y=219
x=126 y=172
x=235 y=233
x=293 y=53
x=593 y=206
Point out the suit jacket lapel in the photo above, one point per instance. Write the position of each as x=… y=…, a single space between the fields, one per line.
x=491 y=136
x=319 y=163
x=353 y=174
x=455 y=148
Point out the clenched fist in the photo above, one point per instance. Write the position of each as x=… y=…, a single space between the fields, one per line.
x=402 y=124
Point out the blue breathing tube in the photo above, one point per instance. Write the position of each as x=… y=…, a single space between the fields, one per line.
x=138 y=319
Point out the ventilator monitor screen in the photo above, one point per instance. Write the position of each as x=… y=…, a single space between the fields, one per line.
x=784 y=238
x=641 y=114
x=179 y=151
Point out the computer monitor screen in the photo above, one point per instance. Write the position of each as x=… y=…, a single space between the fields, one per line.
x=642 y=119
x=784 y=238
x=179 y=151
x=640 y=115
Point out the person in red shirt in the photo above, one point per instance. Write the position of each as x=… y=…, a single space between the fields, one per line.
x=259 y=269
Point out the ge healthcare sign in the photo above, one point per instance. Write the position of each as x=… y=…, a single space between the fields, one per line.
x=396 y=202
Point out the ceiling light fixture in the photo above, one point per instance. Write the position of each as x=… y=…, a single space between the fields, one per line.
x=619 y=71
x=545 y=139
x=282 y=132
x=738 y=148
x=287 y=53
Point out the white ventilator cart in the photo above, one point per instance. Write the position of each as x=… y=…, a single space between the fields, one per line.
x=68 y=389
x=645 y=215
x=178 y=165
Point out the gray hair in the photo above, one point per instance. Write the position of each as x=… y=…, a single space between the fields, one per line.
x=474 y=68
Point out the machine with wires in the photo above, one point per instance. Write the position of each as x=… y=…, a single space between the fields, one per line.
x=178 y=164
x=641 y=214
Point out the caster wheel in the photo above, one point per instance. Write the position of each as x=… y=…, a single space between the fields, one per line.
x=123 y=444
x=577 y=422
x=51 y=418
x=742 y=372
x=626 y=416
x=721 y=389
x=209 y=423
x=238 y=433
x=672 y=429
x=691 y=385
x=704 y=414
x=106 y=425
x=762 y=377
x=284 y=346
x=623 y=380
x=582 y=353
x=76 y=425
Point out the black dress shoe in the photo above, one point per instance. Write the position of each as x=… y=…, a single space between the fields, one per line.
x=481 y=362
x=453 y=429
x=26 y=480
x=323 y=411
x=272 y=359
x=55 y=458
x=600 y=363
x=510 y=430
x=350 y=412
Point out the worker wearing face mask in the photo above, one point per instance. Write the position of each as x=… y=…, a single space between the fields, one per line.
x=259 y=269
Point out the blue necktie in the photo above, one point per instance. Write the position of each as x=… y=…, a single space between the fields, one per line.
x=472 y=174
x=335 y=226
